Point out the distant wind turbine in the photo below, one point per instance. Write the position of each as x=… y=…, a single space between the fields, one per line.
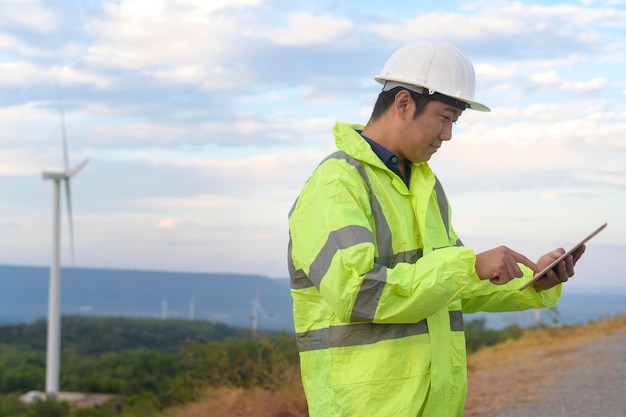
x=192 y=307
x=53 y=346
x=256 y=308
x=164 y=308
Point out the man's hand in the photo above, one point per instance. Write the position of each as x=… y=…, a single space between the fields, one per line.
x=561 y=272
x=500 y=265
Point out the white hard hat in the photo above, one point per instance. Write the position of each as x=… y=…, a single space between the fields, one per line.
x=432 y=68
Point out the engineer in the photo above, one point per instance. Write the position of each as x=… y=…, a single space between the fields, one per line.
x=379 y=278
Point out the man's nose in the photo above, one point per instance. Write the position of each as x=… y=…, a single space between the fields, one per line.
x=446 y=132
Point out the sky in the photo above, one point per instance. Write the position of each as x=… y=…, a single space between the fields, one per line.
x=201 y=120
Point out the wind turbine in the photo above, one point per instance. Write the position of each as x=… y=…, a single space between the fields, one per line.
x=256 y=308
x=53 y=345
x=192 y=307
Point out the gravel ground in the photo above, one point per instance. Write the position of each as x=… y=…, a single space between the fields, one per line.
x=595 y=386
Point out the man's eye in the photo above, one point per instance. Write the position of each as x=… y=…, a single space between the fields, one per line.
x=449 y=118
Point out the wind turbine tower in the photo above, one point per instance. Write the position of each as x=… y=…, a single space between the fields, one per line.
x=192 y=307
x=164 y=308
x=53 y=346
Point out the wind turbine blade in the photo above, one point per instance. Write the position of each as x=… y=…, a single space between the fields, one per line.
x=63 y=132
x=69 y=214
x=75 y=171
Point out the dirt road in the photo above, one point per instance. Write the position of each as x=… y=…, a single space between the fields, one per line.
x=584 y=380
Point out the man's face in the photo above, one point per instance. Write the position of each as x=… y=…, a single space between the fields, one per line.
x=423 y=135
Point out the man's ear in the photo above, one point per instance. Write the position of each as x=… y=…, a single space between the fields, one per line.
x=402 y=103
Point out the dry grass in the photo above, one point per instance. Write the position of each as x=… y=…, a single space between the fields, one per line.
x=499 y=376
x=225 y=402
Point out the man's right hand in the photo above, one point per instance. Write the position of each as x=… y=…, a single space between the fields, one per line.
x=500 y=265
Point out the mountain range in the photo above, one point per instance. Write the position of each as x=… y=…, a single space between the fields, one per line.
x=227 y=298
x=216 y=297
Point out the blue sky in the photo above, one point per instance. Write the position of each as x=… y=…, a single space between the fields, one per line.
x=201 y=120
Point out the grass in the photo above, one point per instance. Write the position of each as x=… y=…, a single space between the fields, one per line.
x=499 y=376
x=236 y=402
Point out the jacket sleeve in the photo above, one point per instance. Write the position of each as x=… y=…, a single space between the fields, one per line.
x=508 y=297
x=499 y=298
x=333 y=243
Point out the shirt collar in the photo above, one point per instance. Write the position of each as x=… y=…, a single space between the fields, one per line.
x=389 y=159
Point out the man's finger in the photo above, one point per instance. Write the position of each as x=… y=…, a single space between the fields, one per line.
x=578 y=253
x=524 y=260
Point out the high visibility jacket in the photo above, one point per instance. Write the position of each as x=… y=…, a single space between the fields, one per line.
x=380 y=281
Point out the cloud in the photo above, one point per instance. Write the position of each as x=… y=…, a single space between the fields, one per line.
x=203 y=119
x=545 y=78
x=28 y=14
x=20 y=73
x=493 y=31
x=550 y=78
x=572 y=146
x=196 y=202
x=306 y=29
x=583 y=87
x=182 y=42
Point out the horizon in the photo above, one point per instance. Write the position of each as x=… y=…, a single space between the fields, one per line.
x=576 y=284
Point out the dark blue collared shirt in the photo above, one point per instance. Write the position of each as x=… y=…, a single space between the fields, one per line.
x=390 y=160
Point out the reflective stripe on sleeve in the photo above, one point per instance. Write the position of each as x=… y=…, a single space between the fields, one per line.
x=344 y=238
x=297 y=278
x=369 y=293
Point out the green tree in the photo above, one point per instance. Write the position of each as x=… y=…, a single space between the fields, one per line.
x=10 y=405
x=48 y=408
x=24 y=377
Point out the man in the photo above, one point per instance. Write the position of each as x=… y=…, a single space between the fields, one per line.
x=379 y=278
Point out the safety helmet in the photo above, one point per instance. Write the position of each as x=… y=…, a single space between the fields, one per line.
x=433 y=68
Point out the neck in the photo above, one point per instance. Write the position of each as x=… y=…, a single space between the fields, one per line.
x=379 y=132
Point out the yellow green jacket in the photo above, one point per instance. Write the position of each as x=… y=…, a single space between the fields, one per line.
x=380 y=282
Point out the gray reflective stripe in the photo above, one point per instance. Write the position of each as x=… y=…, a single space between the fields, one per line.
x=343 y=238
x=357 y=335
x=369 y=293
x=367 y=333
x=297 y=278
x=300 y=281
x=456 y=320
x=443 y=205
x=383 y=231
x=409 y=257
x=312 y=340
x=374 y=282
x=293 y=207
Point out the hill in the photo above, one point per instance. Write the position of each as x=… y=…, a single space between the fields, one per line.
x=94 y=336
x=137 y=364
x=227 y=298
x=215 y=297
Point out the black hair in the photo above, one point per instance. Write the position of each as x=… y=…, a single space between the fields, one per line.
x=386 y=99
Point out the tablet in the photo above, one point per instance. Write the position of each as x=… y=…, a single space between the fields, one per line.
x=565 y=255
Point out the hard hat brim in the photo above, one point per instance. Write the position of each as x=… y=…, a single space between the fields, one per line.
x=471 y=104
